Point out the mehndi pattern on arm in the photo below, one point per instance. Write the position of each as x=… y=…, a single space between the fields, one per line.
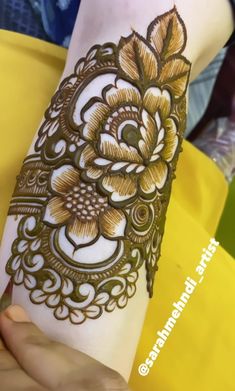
x=101 y=175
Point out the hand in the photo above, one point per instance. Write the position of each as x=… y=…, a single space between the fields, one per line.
x=31 y=361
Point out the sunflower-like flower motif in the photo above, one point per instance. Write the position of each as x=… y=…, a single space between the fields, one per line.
x=77 y=206
x=94 y=194
x=129 y=141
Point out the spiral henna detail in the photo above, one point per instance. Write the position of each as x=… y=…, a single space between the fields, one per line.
x=92 y=198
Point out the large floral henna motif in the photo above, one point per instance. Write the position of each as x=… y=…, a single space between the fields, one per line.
x=93 y=196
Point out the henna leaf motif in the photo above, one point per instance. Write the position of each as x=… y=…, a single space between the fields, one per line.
x=175 y=75
x=167 y=34
x=100 y=179
x=137 y=59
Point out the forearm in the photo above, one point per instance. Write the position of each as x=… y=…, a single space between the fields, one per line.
x=107 y=243
x=209 y=25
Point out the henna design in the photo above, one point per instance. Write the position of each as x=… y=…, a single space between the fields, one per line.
x=101 y=175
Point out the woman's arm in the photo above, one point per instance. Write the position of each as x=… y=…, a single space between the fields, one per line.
x=87 y=216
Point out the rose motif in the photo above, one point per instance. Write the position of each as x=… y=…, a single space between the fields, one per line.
x=129 y=141
x=77 y=205
x=103 y=159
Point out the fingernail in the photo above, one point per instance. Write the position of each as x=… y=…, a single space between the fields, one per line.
x=17 y=314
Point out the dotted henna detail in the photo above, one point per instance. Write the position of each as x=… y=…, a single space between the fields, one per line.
x=93 y=196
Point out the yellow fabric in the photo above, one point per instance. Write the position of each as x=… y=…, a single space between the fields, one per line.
x=199 y=353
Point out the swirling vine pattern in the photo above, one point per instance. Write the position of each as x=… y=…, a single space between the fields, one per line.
x=93 y=196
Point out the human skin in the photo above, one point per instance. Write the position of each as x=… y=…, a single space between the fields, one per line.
x=23 y=346
x=108 y=23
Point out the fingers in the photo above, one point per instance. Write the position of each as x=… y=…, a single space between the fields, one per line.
x=7 y=361
x=51 y=364
x=12 y=377
x=17 y=380
x=33 y=351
